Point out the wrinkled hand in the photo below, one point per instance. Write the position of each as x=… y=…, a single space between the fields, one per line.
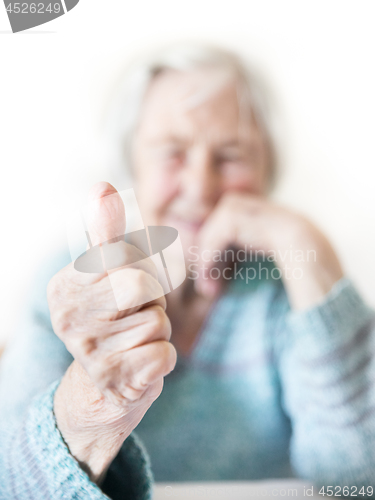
x=120 y=357
x=253 y=222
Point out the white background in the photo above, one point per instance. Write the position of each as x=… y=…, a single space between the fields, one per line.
x=318 y=56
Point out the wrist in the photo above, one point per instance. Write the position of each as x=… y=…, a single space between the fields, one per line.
x=311 y=267
x=92 y=429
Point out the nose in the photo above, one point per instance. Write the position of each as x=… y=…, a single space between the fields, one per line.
x=201 y=180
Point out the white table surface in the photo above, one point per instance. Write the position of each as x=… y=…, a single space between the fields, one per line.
x=236 y=490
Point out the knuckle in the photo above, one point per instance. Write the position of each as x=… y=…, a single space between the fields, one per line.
x=168 y=357
x=158 y=320
x=142 y=383
x=132 y=393
x=154 y=390
x=134 y=387
x=172 y=357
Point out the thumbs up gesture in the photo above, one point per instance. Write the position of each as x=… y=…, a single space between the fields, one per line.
x=120 y=357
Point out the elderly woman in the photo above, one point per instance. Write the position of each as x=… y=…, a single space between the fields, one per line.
x=268 y=370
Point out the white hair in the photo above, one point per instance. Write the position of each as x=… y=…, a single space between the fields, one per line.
x=126 y=103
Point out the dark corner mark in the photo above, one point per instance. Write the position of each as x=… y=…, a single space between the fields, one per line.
x=27 y=14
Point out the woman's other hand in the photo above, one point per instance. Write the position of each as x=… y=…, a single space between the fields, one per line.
x=307 y=262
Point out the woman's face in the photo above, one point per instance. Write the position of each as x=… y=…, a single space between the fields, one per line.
x=191 y=147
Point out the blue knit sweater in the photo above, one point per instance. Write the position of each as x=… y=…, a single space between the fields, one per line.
x=264 y=393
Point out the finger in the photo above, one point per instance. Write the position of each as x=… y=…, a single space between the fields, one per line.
x=143 y=366
x=216 y=235
x=106 y=221
x=105 y=214
x=148 y=325
x=133 y=288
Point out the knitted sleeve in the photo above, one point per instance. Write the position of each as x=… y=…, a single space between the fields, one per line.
x=35 y=462
x=326 y=362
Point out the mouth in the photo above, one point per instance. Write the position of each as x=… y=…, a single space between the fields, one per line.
x=185 y=224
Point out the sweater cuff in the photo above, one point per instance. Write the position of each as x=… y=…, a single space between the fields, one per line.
x=45 y=462
x=341 y=318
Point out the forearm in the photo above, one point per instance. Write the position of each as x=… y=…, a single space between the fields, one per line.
x=326 y=365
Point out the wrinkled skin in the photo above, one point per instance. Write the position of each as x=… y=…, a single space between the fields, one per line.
x=120 y=357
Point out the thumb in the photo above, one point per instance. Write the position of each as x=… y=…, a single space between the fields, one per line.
x=105 y=214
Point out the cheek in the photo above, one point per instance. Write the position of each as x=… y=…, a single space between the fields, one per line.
x=157 y=189
x=243 y=180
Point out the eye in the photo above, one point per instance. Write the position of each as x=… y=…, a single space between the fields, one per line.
x=172 y=156
x=233 y=158
x=246 y=157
